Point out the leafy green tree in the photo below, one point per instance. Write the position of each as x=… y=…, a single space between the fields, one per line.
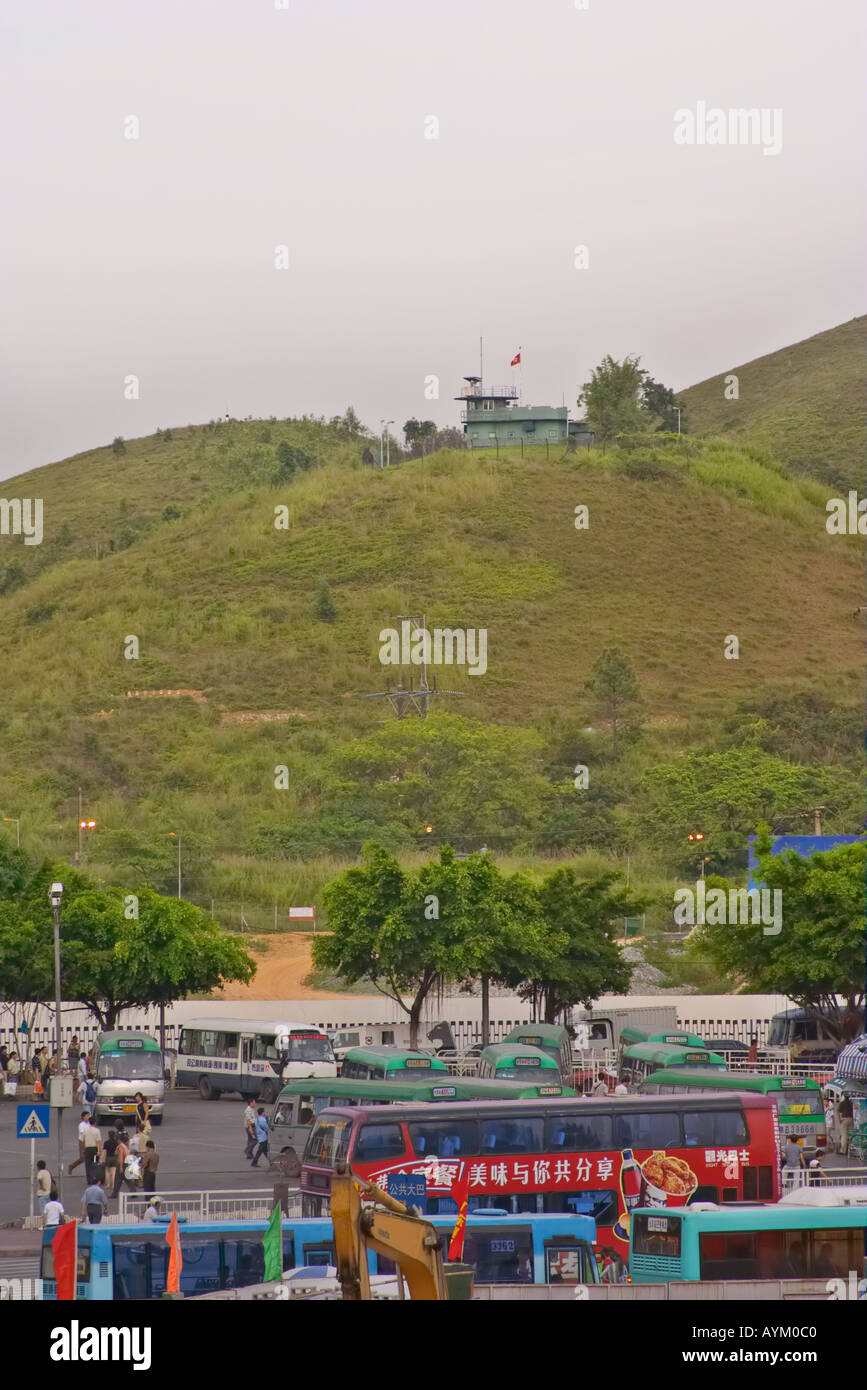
x=289 y=461
x=613 y=398
x=325 y=609
x=111 y=961
x=453 y=920
x=582 y=959
x=615 y=689
x=817 y=958
x=414 y=431
x=724 y=795
x=660 y=401
x=351 y=423
x=118 y=446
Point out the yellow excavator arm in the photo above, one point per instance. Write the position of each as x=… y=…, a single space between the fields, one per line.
x=391 y=1230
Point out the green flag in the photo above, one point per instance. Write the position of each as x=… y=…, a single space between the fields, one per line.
x=272 y=1244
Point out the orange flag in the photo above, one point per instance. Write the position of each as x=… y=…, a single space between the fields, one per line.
x=64 y=1246
x=176 y=1259
x=461 y=1194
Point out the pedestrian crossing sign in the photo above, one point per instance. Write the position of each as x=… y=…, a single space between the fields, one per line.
x=34 y=1121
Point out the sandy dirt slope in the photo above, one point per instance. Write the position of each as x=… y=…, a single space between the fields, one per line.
x=280 y=972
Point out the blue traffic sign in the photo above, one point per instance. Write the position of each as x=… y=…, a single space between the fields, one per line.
x=407 y=1187
x=34 y=1121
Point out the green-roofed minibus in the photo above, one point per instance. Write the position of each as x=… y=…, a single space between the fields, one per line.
x=634 y=1037
x=126 y=1062
x=300 y=1101
x=517 y=1061
x=388 y=1064
x=798 y=1099
x=549 y=1038
x=641 y=1060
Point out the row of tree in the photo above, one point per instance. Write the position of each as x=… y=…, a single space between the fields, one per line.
x=118 y=950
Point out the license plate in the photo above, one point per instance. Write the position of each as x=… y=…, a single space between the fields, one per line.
x=127 y=1108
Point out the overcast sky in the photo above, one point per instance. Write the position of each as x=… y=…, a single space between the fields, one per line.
x=306 y=127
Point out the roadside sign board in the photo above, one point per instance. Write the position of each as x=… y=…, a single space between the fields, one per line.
x=34 y=1121
x=407 y=1187
x=60 y=1091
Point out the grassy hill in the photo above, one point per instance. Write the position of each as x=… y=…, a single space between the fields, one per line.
x=805 y=403
x=174 y=543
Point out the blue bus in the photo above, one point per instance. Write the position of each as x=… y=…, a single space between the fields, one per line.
x=131 y=1261
x=705 y=1241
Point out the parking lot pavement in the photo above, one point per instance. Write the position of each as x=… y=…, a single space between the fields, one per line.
x=200 y=1143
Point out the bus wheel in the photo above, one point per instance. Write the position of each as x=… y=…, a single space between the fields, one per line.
x=207 y=1090
x=268 y=1093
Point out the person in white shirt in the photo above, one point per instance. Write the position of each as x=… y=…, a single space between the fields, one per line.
x=250 y=1128
x=43 y=1184
x=620 y=1089
x=54 y=1213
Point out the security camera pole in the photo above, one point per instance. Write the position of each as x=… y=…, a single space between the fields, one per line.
x=56 y=897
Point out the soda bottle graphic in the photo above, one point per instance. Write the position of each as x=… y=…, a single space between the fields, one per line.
x=630 y=1180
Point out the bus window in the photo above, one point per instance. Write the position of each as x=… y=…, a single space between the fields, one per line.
x=245 y=1263
x=601 y=1204
x=444 y=1138
x=376 y=1142
x=319 y=1255
x=500 y=1255
x=647 y=1129
x=566 y=1263
x=328 y=1142
x=82 y=1274
x=707 y=1129
x=657 y=1235
x=264 y=1047
x=802 y=1102
x=208 y=1042
x=201 y=1271
x=758 y=1183
x=227 y=1045
x=132 y=1270
x=521 y=1135
x=575 y=1132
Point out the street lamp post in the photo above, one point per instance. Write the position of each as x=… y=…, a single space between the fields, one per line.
x=55 y=896
x=388 y=444
x=11 y=820
x=678 y=409
x=381 y=433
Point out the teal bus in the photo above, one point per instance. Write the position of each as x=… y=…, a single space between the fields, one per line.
x=518 y=1061
x=641 y=1060
x=798 y=1099
x=389 y=1064
x=705 y=1241
x=299 y=1102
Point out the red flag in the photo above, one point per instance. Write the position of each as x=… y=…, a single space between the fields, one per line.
x=461 y=1195
x=64 y=1246
x=516 y=360
x=176 y=1259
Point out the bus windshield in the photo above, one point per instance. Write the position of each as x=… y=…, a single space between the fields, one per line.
x=310 y=1049
x=128 y=1066
x=802 y=1102
x=528 y=1074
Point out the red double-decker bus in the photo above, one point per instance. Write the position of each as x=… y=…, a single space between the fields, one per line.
x=600 y=1157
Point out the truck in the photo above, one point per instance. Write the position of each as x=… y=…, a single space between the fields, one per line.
x=604 y=1026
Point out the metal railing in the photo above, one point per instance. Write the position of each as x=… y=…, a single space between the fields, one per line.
x=218 y=1205
x=824 y=1177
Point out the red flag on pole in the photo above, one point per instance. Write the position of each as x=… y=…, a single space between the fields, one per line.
x=176 y=1259
x=461 y=1193
x=516 y=361
x=64 y=1247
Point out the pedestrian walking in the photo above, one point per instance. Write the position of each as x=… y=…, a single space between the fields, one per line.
x=81 y=1068
x=142 y=1113
x=753 y=1054
x=54 y=1213
x=261 y=1136
x=92 y=1140
x=94 y=1203
x=4 y=1063
x=112 y=1163
x=89 y=1090
x=250 y=1128
x=84 y=1122
x=43 y=1185
x=132 y=1172
x=13 y=1073
x=844 y=1121
x=793 y=1158
x=149 y=1165
x=73 y=1052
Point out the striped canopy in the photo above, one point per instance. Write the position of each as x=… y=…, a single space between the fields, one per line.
x=852 y=1061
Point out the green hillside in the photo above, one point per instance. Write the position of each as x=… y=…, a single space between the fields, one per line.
x=805 y=403
x=174 y=543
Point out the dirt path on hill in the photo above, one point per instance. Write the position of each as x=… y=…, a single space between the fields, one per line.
x=281 y=970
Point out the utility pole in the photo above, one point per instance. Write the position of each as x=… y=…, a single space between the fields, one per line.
x=80 y=824
x=486 y=1011
x=56 y=898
